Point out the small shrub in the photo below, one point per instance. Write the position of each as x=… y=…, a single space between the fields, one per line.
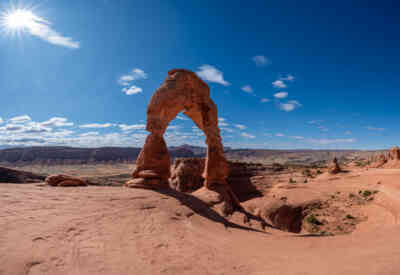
x=292 y=180
x=366 y=193
x=319 y=172
x=313 y=220
x=350 y=217
x=351 y=195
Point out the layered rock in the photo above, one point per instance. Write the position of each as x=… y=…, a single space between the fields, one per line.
x=379 y=162
x=65 y=181
x=182 y=90
x=333 y=167
x=244 y=178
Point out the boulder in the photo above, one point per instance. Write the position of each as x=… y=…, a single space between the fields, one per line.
x=64 y=181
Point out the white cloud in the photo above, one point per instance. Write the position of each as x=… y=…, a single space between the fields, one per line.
x=181 y=117
x=135 y=74
x=297 y=137
x=212 y=74
x=96 y=125
x=289 y=77
x=281 y=95
x=331 y=141
x=57 y=122
x=221 y=119
x=246 y=135
x=1 y=120
x=289 y=106
x=348 y=133
x=315 y=121
x=20 y=119
x=264 y=100
x=39 y=27
x=279 y=84
x=372 y=128
x=240 y=126
x=89 y=134
x=132 y=90
x=247 y=89
x=223 y=124
x=125 y=127
x=279 y=135
x=260 y=60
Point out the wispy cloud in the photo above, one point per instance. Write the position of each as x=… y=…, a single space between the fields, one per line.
x=135 y=74
x=279 y=135
x=1 y=120
x=331 y=141
x=247 y=135
x=247 y=89
x=181 y=117
x=57 y=122
x=372 y=128
x=132 y=90
x=240 y=126
x=281 y=95
x=297 y=137
x=317 y=121
x=289 y=106
x=260 y=60
x=40 y=27
x=125 y=127
x=97 y=125
x=279 y=84
x=126 y=80
x=20 y=119
x=264 y=100
x=212 y=74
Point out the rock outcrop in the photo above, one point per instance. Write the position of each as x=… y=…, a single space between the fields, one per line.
x=15 y=176
x=243 y=178
x=391 y=160
x=379 y=162
x=181 y=91
x=65 y=181
x=333 y=167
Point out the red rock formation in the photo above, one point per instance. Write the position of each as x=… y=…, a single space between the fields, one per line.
x=393 y=158
x=333 y=167
x=379 y=162
x=64 y=180
x=182 y=90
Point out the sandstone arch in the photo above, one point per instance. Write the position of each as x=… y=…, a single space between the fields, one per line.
x=181 y=91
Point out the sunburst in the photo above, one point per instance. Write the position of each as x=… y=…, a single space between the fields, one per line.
x=17 y=20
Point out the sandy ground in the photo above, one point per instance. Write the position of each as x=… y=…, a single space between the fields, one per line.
x=113 y=230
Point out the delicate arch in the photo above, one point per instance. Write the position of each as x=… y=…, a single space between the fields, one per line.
x=181 y=91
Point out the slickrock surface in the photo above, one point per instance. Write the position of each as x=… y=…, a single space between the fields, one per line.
x=113 y=230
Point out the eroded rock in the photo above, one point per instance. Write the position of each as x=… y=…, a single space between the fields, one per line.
x=64 y=180
x=333 y=167
x=181 y=91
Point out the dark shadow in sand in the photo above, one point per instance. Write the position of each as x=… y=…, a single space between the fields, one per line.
x=202 y=209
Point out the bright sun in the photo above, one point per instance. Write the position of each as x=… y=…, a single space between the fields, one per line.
x=18 y=19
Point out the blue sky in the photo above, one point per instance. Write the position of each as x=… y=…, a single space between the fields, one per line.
x=284 y=74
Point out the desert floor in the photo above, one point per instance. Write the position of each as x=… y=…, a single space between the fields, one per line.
x=115 y=230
